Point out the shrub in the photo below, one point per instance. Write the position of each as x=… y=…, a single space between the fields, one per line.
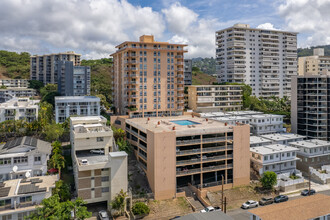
x=268 y=180
x=140 y=208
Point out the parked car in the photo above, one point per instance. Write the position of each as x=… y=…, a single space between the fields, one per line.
x=210 y=209
x=250 y=204
x=281 y=198
x=306 y=192
x=103 y=215
x=97 y=151
x=266 y=201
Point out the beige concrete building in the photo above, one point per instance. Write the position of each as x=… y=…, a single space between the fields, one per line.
x=45 y=67
x=211 y=98
x=148 y=78
x=175 y=152
x=100 y=172
x=314 y=65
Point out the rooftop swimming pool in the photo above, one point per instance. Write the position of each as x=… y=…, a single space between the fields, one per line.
x=185 y=122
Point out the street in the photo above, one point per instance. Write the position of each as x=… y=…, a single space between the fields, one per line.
x=241 y=214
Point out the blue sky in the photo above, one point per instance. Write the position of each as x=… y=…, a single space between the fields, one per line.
x=94 y=27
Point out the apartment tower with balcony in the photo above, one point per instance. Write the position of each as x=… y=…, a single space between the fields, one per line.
x=263 y=59
x=310 y=106
x=148 y=78
x=181 y=151
x=44 y=67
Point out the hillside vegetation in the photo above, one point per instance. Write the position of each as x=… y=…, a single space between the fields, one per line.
x=200 y=78
x=206 y=65
x=309 y=51
x=14 y=65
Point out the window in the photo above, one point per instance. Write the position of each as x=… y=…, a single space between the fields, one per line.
x=20 y=160
x=100 y=139
x=105 y=179
x=37 y=159
x=105 y=189
x=265 y=157
x=6 y=217
x=5 y=161
x=105 y=169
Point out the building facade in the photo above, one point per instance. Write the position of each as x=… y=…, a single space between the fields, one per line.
x=73 y=80
x=263 y=59
x=309 y=106
x=66 y=106
x=175 y=152
x=23 y=155
x=9 y=93
x=277 y=158
x=148 y=78
x=19 y=109
x=20 y=198
x=100 y=172
x=187 y=72
x=314 y=65
x=312 y=153
x=44 y=67
x=19 y=83
x=211 y=98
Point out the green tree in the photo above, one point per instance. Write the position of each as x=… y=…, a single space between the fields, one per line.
x=103 y=101
x=57 y=160
x=118 y=133
x=47 y=89
x=124 y=145
x=119 y=202
x=3 y=87
x=268 y=179
x=36 y=84
x=52 y=208
x=53 y=131
x=62 y=190
x=140 y=208
x=50 y=98
x=45 y=114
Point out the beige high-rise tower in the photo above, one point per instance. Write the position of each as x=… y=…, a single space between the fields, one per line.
x=148 y=78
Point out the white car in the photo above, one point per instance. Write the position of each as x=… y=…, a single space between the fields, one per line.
x=210 y=209
x=97 y=151
x=103 y=215
x=250 y=204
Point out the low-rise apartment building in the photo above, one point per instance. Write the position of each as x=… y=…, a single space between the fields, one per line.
x=67 y=106
x=9 y=93
x=20 y=83
x=187 y=72
x=313 y=153
x=23 y=155
x=283 y=138
x=73 y=80
x=100 y=172
x=233 y=120
x=210 y=98
x=19 y=109
x=266 y=124
x=175 y=152
x=277 y=158
x=20 y=197
x=256 y=141
x=314 y=65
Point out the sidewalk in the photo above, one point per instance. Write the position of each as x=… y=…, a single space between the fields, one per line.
x=316 y=186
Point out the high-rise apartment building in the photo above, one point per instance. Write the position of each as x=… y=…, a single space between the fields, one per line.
x=263 y=59
x=44 y=67
x=73 y=80
x=175 y=152
x=148 y=78
x=309 y=106
x=314 y=65
x=187 y=72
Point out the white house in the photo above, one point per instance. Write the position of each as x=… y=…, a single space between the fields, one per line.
x=23 y=157
x=19 y=109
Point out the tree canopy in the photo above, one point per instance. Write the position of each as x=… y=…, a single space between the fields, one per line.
x=268 y=179
x=16 y=65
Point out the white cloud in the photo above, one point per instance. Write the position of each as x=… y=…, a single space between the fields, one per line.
x=268 y=26
x=87 y=25
x=187 y=28
x=310 y=17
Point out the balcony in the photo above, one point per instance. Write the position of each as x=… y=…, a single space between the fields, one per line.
x=188 y=162
x=143 y=147
x=186 y=172
x=188 y=152
x=217 y=139
x=211 y=149
x=219 y=167
x=142 y=156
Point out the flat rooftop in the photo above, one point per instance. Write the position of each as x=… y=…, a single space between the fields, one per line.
x=282 y=136
x=213 y=114
x=91 y=128
x=308 y=207
x=271 y=149
x=312 y=143
x=166 y=124
x=244 y=113
x=259 y=140
x=19 y=187
x=88 y=119
x=232 y=118
x=261 y=116
x=20 y=102
x=77 y=98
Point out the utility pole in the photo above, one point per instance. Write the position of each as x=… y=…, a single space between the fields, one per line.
x=222 y=192
x=309 y=183
x=225 y=210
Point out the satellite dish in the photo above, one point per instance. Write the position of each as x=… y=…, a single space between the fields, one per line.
x=27 y=174
x=15 y=168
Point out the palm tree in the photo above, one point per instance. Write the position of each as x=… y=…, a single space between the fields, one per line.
x=57 y=161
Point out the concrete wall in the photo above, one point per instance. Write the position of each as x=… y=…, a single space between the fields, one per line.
x=294 y=104
x=241 y=159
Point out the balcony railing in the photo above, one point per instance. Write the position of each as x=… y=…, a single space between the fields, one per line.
x=209 y=149
x=144 y=157
x=184 y=152
x=184 y=142
x=205 y=140
x=192 y=161
x=184 y=172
